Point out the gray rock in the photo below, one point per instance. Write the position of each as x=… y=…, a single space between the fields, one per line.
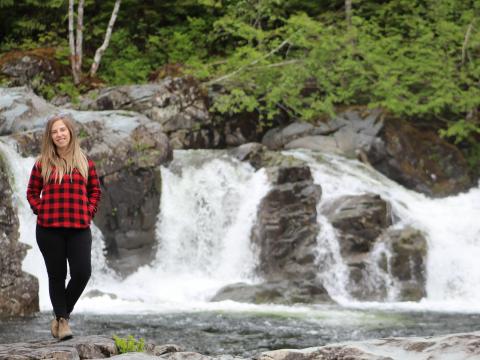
x=85 y=347
x=21 y=110
x=360 y=219
x=349 y=133
x=177 y=104
x=280 y=292
x=406 y=261
x=286 y=230
x=445 y=347
x=420 y=160
x=316 y=142
x=276 y=138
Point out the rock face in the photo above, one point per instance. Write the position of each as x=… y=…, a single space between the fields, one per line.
x=420 y=160
x=18 y=290
x=127 y=149
x=379 y=259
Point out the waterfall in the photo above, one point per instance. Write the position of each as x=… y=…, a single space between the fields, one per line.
x=451 y=226
x=208 y=206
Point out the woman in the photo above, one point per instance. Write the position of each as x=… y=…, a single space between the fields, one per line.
x=64 y=193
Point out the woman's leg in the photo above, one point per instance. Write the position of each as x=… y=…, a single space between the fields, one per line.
x=79 y=246
x=51 y=242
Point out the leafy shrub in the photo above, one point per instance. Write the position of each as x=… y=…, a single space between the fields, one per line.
x=129 y=344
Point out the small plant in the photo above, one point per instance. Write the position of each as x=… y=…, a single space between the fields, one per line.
x=129 y=344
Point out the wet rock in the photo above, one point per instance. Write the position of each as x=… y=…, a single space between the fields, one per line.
x=286 y=228
x=404 y=259
x=18 y=290
x=280 y=292
x=259 y=156
x=21 y=110
x=420 y=160
x=360 y=219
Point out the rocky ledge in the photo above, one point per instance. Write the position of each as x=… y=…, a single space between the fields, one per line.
x=462 y=346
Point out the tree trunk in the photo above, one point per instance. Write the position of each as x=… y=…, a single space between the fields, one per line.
x=108 y=35
x=348 y=13
x=71 y=40
x=79 y=40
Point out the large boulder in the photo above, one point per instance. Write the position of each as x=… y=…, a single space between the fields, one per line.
x=349 y=133
x=360 y=219
x=21 y=110
x=276 y=292
x=383 y=263
x=34 y=68
x=181 y=106
x=127 y=149
x=420 y=160
x=178 y=105
x=18 y=290
x=287 y=227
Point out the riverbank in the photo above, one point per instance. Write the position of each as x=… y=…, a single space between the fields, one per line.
x=248 y=333
x=461 y=346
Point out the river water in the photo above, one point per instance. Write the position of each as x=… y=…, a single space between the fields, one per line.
x=208 y=207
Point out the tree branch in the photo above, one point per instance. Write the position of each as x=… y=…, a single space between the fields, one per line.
x=233 y=73
x=108 y=35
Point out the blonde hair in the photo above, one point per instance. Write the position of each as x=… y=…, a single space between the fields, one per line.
x=74 y=157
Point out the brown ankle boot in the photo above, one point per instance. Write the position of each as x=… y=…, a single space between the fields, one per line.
x=64 y=331
x=54 y=328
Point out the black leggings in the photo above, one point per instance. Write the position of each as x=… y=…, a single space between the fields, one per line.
x=59 y=245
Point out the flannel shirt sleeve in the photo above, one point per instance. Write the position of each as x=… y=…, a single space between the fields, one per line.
x=34 y=188
x=93 y=189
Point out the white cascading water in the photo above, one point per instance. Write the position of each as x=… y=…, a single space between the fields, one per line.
x=451 y=226
x=208 y=206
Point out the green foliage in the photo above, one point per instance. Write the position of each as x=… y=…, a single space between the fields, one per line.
x=297 y=57
x=129 y=344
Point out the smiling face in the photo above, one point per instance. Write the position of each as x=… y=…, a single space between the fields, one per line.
x=60 y=135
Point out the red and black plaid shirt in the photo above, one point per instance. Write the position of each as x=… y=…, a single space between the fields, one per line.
x=71 y=204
